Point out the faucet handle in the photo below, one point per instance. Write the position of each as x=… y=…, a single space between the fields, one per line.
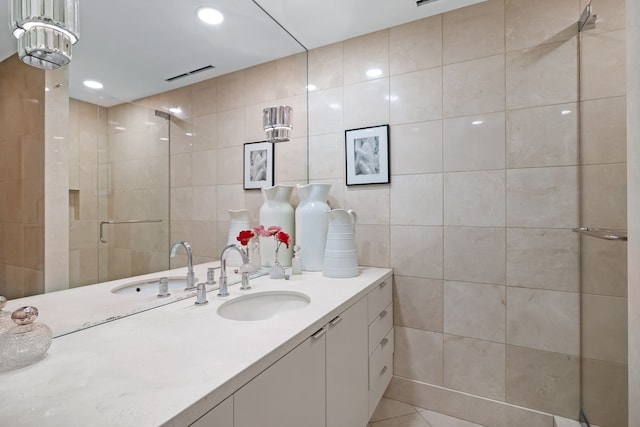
x=201 y=296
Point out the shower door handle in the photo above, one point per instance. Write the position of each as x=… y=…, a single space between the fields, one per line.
x=602 y=233
x=131 y=221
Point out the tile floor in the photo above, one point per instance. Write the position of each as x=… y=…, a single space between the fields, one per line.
x=391 y=413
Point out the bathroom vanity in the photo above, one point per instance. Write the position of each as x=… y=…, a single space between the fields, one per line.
x=319 y=354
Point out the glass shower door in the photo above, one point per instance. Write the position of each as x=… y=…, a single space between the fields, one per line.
x=133 y=192
x=603 y=203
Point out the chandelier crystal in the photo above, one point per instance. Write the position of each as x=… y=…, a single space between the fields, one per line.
x=45 y=29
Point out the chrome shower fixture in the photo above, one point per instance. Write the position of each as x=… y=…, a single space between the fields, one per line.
x=277 y=122
x=45 y=29
x=423 y=2
x=587 y=19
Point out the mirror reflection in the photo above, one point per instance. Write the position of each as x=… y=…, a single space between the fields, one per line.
x=127 y=169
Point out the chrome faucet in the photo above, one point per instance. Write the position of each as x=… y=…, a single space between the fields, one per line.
x=191 y=278
x=222 y=290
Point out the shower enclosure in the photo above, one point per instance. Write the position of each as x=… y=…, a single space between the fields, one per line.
x=603 y=207
x=119 y=191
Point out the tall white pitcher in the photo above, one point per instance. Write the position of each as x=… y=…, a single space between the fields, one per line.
x=340 y=257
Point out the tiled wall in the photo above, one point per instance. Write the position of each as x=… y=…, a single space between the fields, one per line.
x=21 y=179
x=477 y=219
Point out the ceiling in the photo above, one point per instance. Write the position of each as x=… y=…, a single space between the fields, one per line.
x=133 y=46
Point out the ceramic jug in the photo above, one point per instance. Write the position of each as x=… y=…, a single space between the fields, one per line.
x=312 y=223
x=277 y=210
x=340 y=257
x=238 y=221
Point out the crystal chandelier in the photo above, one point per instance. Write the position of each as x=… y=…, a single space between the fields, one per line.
x=45 y=29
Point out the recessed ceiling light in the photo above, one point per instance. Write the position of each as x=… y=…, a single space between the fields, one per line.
x=209 y=15
x=92 y=84
x=175 y=110
x=564 y=112
x=374 y=72
x=311 y=87
x=477 y=122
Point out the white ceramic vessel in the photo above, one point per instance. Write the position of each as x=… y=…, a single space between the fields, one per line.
x=238 y=221
x=277 y=210
x=312 y=223
x=340 y=256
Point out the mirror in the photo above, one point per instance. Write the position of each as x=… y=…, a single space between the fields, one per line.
x=170 y=158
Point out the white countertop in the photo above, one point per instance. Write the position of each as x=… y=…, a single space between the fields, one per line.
x=165 y=366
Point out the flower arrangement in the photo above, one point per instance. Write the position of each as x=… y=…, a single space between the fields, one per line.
x=275 y=231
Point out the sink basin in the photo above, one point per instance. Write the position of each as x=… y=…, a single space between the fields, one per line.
x=263 y=305
x=151 y=286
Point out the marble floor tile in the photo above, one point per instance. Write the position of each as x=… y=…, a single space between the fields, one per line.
x=392 y=413
x=435 y=419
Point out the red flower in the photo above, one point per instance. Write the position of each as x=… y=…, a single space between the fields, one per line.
x=282 y=237
x=245 y=236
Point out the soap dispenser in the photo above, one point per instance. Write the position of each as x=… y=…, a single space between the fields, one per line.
x=296 y=264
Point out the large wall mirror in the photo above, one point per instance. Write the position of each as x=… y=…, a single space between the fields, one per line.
x=155 y=155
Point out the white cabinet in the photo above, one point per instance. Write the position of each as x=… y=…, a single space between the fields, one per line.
x=220 y=416
x=290 y=393
x=335 y=378
x=347 y=372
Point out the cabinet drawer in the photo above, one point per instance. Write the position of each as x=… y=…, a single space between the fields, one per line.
x=380 y=327
x=380 y=297
x=380 y=371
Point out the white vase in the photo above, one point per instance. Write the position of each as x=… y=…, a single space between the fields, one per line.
x=238 y=221
x=312 y=223
x=340 y=256
x=277 y=210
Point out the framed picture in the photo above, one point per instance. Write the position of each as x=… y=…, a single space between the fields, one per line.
x=258 y=165
x=367 y=155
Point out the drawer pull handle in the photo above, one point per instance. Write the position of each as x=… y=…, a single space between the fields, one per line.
x=383 y=284
x=383 y=314
x=320 y=333
x=383 y=371
x=384 y=342
x=335 y=321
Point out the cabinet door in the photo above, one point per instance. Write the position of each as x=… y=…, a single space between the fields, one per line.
x=220 y=416
x=347 y=368
x=290 y=393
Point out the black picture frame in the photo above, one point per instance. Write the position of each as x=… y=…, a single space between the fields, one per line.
x=367 y=155
x=258 y=165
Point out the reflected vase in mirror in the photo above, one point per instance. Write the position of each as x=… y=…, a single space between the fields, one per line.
x=276 y=211
x=238 y=221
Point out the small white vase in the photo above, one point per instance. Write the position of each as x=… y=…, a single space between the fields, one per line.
x=277 y=210
x=238 y=221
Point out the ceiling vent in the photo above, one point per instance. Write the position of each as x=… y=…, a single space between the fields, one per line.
x=190 y=73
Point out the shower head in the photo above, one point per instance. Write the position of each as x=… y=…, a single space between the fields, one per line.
x=423 y=2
